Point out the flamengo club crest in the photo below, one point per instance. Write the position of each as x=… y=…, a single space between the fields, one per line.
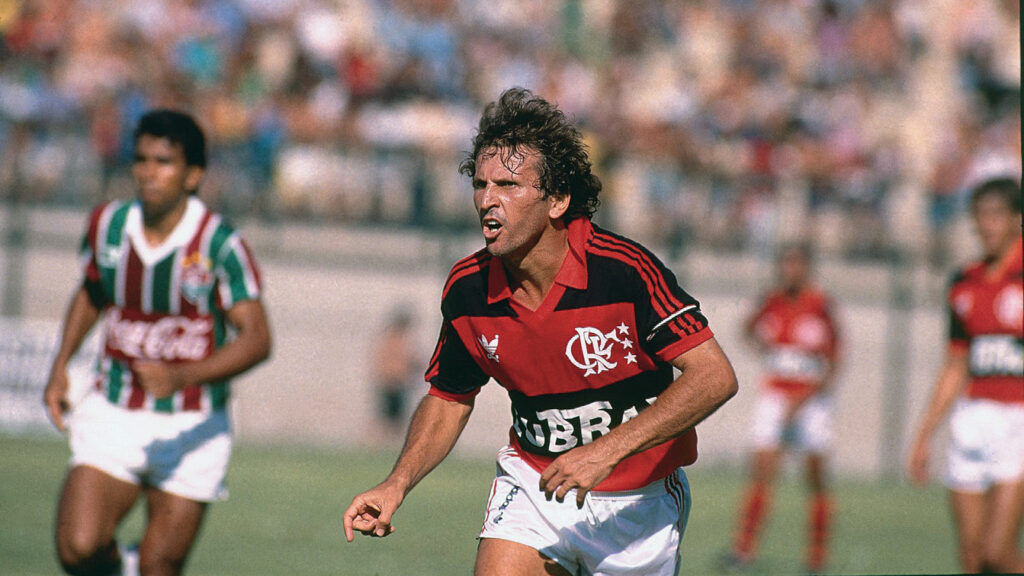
x=591 y=349
x=196 y=277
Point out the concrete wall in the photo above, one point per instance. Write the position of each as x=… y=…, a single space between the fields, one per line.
x=324 y=316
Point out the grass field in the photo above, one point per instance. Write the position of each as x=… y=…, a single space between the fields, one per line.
x=284 y=517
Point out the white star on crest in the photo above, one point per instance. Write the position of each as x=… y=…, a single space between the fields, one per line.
x=627 y=343
x=630 y=358
x=623 y=328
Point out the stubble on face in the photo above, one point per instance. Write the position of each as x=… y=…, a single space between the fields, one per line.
x=513 y=211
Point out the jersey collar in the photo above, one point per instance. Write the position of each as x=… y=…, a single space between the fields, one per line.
x=183 y=231
x=572 y=274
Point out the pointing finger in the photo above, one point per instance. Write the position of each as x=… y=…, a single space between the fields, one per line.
x=346 y=521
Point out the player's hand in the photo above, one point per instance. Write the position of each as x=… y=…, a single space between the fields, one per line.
x=371 y=511
x=55 y=397
x=158 y=378
x=917 y=464
x=581 y=468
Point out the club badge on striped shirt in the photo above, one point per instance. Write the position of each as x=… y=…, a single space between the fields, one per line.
x=590 y=349
x=109 y=256
x=196 y=277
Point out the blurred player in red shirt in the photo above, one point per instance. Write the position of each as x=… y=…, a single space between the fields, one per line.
x=795 y=331
x=982 y=382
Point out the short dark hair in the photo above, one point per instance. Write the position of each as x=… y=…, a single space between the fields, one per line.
x=520 y=120
x=1005 y=187
x=178 y=127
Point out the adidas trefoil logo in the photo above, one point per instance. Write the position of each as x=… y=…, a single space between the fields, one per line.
x=491 y=348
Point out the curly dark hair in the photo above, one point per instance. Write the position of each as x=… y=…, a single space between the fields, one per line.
x=520 y=121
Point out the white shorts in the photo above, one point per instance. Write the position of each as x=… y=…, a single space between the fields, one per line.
x=628 y=532
x=986 y=445
x=184 y=453
x=809 y=431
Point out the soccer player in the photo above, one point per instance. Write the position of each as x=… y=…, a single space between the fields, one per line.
x=167 y=278
x=796 y=332
x=583 y=329
x=982 y=383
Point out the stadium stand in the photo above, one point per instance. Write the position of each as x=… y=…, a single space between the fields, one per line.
x=727 y=124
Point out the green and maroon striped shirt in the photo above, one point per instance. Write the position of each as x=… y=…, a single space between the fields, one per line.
x=166 y=302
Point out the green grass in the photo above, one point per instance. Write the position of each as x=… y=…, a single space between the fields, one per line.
x=284 y=517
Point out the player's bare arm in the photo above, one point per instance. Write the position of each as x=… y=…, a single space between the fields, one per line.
x=251 y=346
x=948 y=387
x=80 y=318
x=435 y=427
x=706 y=382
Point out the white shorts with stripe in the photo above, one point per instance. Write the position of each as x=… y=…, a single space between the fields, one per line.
x=182 y=453
x=986 y=445
x=615 y=533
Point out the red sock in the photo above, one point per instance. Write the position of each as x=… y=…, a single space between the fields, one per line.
x=755 y=509
x=819 y=520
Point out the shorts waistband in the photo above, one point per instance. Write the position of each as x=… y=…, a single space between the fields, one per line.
x=657 y=488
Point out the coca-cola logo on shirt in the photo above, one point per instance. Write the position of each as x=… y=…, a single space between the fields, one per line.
x=168 y=338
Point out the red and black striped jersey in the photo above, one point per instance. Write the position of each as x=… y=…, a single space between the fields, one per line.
x=799 y=336
x=986 y=322
x=594 y=354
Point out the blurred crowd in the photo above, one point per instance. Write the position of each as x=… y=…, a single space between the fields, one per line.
x=726 y=123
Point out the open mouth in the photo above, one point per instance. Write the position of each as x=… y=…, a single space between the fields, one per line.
x=491 y=228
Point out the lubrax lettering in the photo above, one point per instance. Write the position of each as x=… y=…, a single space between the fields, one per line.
x=997 y=356
x=555 y=431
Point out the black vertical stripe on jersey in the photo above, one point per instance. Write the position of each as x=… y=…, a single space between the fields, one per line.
x=652 y=273
x=645 y=259
x=650 y=287
x=476 y=259
x=432 y=366
x=463 y=375
x=657 y=291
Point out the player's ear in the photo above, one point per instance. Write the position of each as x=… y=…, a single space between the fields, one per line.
x=558 y=204
x=193 y=176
